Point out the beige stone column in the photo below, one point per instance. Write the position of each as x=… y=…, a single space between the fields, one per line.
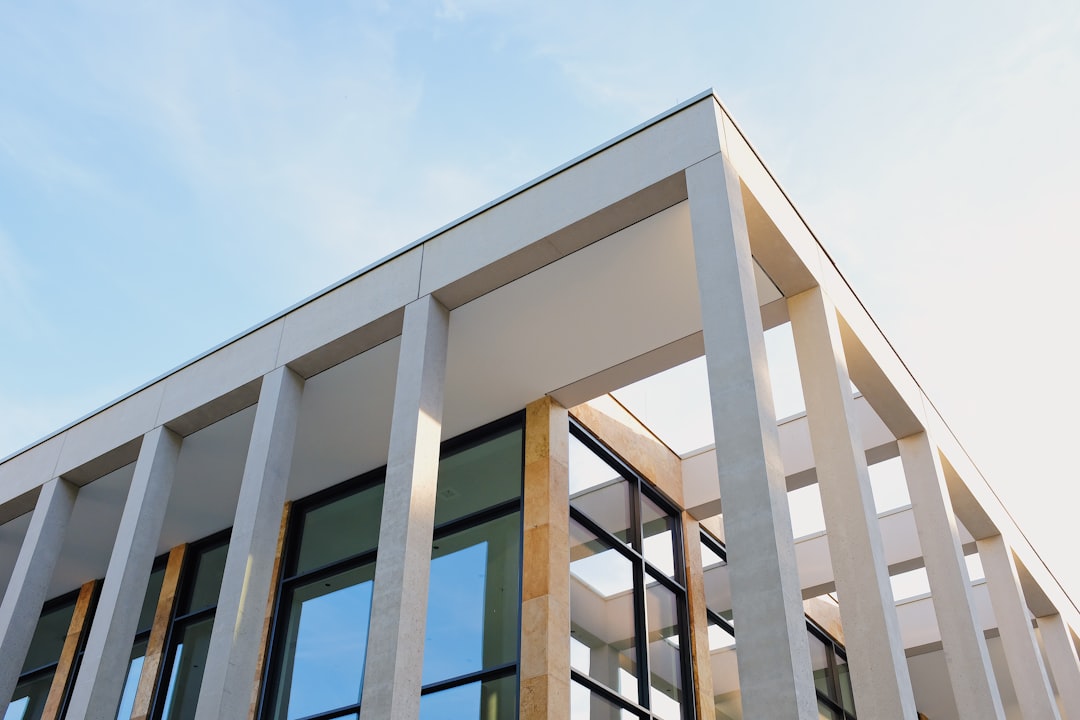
x=774 y=655
x=100 y=679
x=236 y=639
x=395 y=654
x=29 y=582
x=879 y=671
x=545 y=569
x=1022 y=655
x=974 y=688
x=1064 y=663
x=699 y=620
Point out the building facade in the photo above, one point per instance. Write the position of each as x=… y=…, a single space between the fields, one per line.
x=531 y=466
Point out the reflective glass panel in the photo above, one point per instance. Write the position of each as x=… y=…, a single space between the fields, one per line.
x=723 y=662
x=826 y=713
x=602 y=613
x=28 y=700
x=599 y=491
x=340 y=529
x=819 y=662
x=472 y=617
x=185 y=676
x=131 y=681
x=209 y=569
x=325 y=642
x=658 y=538
x=587 y=705
x=665 y=659
x=491 y=700
x=150 y=600
x=479 y=477
x=49 y=636
x=847 y=699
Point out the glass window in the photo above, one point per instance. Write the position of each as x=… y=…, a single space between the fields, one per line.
x=481 y=475
x=339 y=529
x=32 y=690
x=325 y=643
x=473 y=600
x=185 y=675
x=490 y=700
x=206 y=585
x=627 y=604
x=602 y=629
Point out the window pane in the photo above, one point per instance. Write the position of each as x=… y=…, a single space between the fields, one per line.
x=28 y=700
x=150 y=600
x=819 y=661
x=472 y=617
x=185 y=677
x=844 y=678
x=491 y=700
x=479 y=477
x=825 y=713
x=49 y=636
x=665 y=656
x=209 y=569
x=131 y=682
x=340 y=529
x=658 y=533
x=587 y=705
x=602 y=613
x=325 y=642
x=599 y=491
x=723 y=662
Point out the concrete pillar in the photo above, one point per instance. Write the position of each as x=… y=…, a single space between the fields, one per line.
x=545 y=571
x=30 y=580
x=1032 y=686
x=974 y=687
x=774 y=656
x=1064 y=663
x=879 y=671
x=100 y=679
x=236 y=639
x=395 y=655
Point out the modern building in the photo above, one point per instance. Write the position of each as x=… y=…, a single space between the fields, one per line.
x=531 y=466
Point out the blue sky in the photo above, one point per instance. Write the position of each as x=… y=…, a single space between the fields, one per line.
x=173 y=173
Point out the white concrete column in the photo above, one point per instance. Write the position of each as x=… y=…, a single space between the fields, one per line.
x=974 y=688
x=1026 y=668
x=30 y=580
x=879 y=671
x=395 y=654
x=1064 y=663
x=774 y=656
x=101 y=675
x=235 y=642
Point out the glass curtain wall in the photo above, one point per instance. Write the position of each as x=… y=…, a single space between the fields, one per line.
x=323 y=610
x=142 y=636
x=32 y=691
x=827 y=656
x=324 y=603
x=629 y=647
x=189 y=632
x=474 y=592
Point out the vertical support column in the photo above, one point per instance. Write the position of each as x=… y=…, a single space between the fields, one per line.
x=395 y=655
x=1064 y=663
x=68 y=655
x=104 y=665
x=236 y=638
x=21 y=608
x=1022 y=655
x=159 y=633
x=974 y=687
x=264 y=640
x=774 y=656
x=545 y=569
x=699 y=621
x=879 y=671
